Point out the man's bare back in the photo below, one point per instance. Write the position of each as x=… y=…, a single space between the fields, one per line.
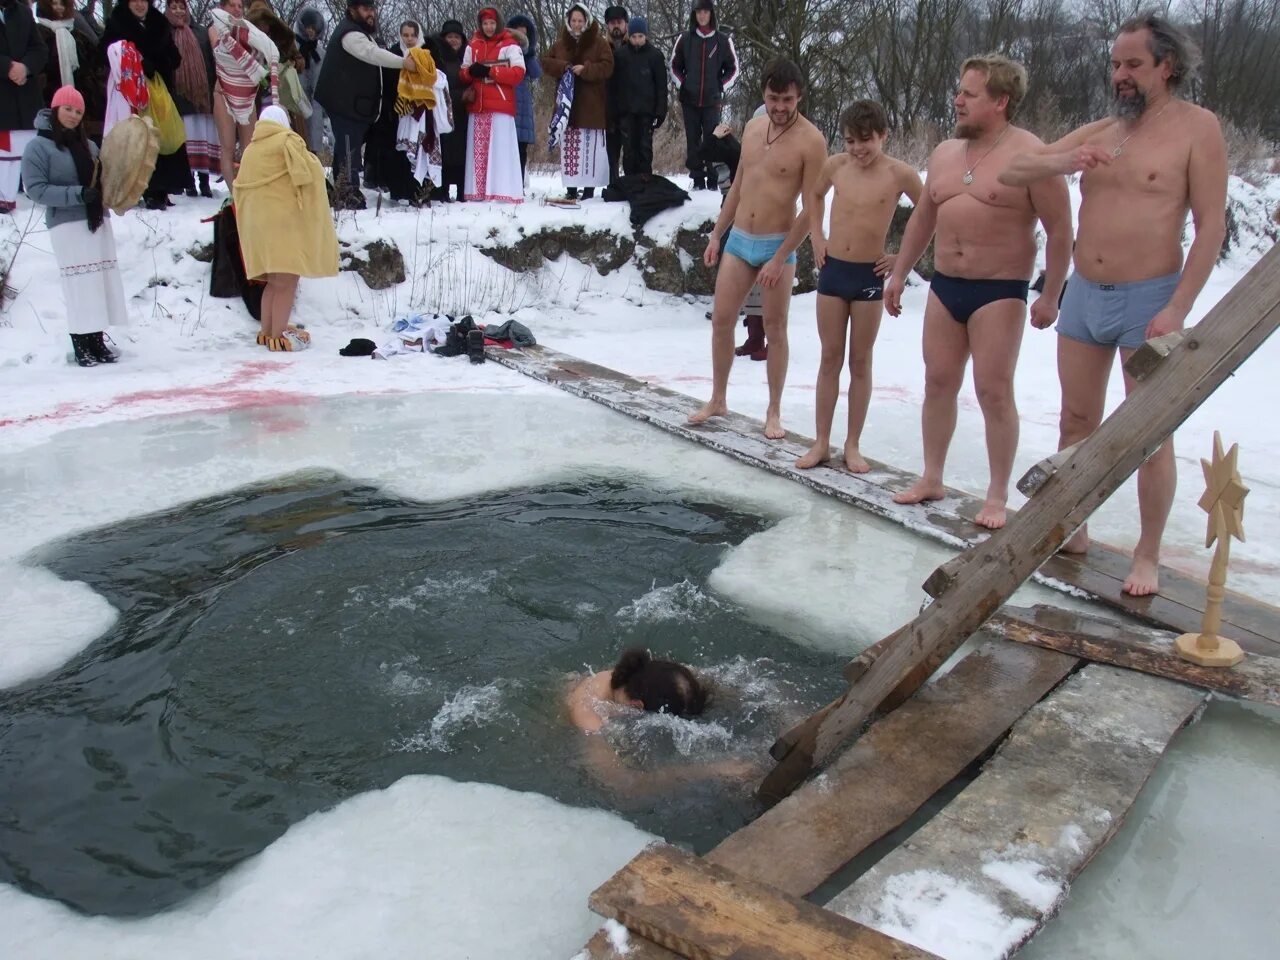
x=865 y=201
x=986 y=230
x=772 y=174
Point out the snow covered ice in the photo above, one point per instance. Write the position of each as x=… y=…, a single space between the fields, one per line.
x=195 y=408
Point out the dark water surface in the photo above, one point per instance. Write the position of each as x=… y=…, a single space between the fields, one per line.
x=283 y=647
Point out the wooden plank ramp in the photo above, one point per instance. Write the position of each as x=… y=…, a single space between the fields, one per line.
x=705 y=912
x=886 y=776
x=1099 y=574
x=1144 y=649
x=988 y=871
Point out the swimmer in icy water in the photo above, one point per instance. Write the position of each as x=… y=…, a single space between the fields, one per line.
x=640 y=682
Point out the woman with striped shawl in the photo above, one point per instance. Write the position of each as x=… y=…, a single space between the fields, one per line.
x=192 y=95
x=243 y=56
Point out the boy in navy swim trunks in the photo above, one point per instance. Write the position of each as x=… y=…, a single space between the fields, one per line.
x=852 y=266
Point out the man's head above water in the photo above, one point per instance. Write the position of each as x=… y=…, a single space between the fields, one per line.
x=657 y=685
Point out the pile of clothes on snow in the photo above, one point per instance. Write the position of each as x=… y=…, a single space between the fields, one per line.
x=442 y=335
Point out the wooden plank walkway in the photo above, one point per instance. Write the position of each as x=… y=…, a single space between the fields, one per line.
x=875 y=786
x=1144 y=649
x=706 y=912
x=987 y=872
x=1099 y=573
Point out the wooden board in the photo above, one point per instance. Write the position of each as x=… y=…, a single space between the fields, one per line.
x=892 y=769
x=1100 y=573
x=706 y=912
x=1001 y=856
x=1256 y=678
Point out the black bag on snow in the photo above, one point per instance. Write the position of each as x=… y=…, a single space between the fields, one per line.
x=227 y=277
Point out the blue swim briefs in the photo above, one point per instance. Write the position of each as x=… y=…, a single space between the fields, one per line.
x=753 y=250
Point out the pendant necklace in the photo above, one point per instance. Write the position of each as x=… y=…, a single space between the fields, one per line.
x=768 y=144
x=968 y=174
x=1119 y=147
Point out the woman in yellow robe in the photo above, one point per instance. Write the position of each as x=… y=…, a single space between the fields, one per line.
x=286 y=226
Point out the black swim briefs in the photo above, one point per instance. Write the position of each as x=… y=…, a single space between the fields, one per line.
x=963 y=298
x=853 y=281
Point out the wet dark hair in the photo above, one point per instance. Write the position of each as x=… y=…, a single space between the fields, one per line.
x=1167 y=42
x=780 y=74
x=661 y=685
x=863 y=119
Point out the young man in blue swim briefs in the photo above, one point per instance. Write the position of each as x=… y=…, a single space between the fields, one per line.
x=852 y=266
x=782 y=155
x=985 y=253
x=1141 y=170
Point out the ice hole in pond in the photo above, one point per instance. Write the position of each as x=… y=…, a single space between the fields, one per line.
x=283 y=647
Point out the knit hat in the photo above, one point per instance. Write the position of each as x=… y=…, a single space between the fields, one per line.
x=274 y=114
x=488 y=13
x=638 y=25
x=704 y=5
x=68 y=96
x=453 y=26
x=615 y=13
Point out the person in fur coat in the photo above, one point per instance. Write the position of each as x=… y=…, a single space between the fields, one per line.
x=582 y=48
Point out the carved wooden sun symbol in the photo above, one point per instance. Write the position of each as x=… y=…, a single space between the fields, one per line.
x=1224 y=494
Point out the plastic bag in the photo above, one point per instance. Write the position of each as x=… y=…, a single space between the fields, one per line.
x=164 y=114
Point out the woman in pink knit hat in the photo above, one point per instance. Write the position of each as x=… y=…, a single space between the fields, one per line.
x=59 y=170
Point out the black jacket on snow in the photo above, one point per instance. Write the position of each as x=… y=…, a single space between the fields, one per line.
x=348 y=87
x=642 y=77
x=21 y=41
x=704 y=66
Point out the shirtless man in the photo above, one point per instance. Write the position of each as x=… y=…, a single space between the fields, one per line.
x=985 y=254
x=782 y=155
x=852 y=265
x=1141 y=170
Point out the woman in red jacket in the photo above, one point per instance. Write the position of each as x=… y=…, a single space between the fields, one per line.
x=492 y=68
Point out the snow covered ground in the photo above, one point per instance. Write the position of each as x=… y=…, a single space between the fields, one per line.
x=195 y=407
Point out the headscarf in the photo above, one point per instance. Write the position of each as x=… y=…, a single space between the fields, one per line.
x=68 y=57
x=191 y=80
x=75 y=142
x=275 y=114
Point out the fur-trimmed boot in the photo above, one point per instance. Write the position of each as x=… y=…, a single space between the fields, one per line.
x=755 y=336
x=80 y=345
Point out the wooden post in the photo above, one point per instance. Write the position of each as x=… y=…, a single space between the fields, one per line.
x=993 y=569
x=1223 y=500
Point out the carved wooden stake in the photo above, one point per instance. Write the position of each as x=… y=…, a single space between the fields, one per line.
x=1223 y=500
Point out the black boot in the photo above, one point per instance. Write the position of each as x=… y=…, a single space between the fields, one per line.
x=155 y=201
x=204 y=186
x=475 y=345
x=699 y=181
x=571 y=193
x=101 y=352
x=80 y=344
x=588 y=193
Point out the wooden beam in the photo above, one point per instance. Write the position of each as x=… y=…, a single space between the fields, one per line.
x=1006 y=850
x=1033 y=480
x=1149 y=651
x=995 y=568
x=706 y=912
x=1143 y=361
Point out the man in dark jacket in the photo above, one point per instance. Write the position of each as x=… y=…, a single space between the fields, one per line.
x=453 y=146
x=615 y=21
x=704 y=64
x=350 y=90
x=23 y=54
x=643 y=101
